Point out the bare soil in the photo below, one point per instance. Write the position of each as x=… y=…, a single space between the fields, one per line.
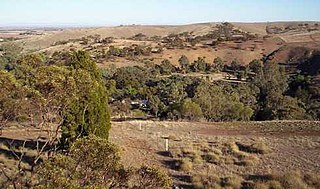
x=294 y=145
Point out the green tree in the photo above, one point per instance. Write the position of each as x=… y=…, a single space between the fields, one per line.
x=10 y=54
x=290 y=109
x=275 y=104
x=191 y=110
x=13 y=101
x=89 y=112
x=166 y=68
x=256 y=66
x=200 y=65
x=184 y=62
x=218 y=104
x=218 y=64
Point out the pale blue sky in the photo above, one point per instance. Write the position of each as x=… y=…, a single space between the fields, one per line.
x=116 y=12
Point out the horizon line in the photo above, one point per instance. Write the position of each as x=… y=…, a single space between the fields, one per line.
x=88 y=25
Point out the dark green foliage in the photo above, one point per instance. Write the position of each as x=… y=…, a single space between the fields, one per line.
x=127 y=52
x=191 y=110
x=303 y=89
x=235 y=66
x=88 y=113
x=256 y=66
x=266 y=95
x=218 y=65
x=200 y=65
x=73 y=91
x=166 y=68
x=91 y=162
x=273 y=83
x=12 y=99
x=10 y=53
x=184 y=62
x=81 y=61
x=218 y=105
x=130 y=76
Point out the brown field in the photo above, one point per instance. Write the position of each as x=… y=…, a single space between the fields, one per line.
x=241 y=149
x=243 y=52
x=292 y=146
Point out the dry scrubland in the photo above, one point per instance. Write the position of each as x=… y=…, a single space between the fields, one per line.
x=201 y=155
x=246 y=152
x=282 y=33
x=208 y=155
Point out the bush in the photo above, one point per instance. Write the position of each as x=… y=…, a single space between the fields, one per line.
x=292 y=180
x=95 y=163
x=201 y=181
x=232 y=182
x=191 y=110
x=212 y=158
x=186 y=165
x=147 y=177
x=259 y=148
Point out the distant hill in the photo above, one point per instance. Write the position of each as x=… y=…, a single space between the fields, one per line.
x=50 y=37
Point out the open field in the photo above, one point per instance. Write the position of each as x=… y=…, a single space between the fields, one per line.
x=281 y=147
x=292 y=145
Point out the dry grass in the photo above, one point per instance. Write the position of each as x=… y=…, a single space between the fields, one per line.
x=268 y=185
x=240 y=157
x=234 y=182
x=258 y=147
x=212 y=158
x=218 y=146
x=185 y=165
x=202 y=181
x=292 y=180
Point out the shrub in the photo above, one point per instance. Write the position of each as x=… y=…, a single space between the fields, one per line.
x=197 y=159
x=273 y=184
x=232 y=182
x=95 y=163
x=188 y=151
x=259 y=147
x=291 y=180
x=147 y=177
x=211 y=158
x=191 y=110
x=186 y=165
x=201 y=181
x=312 y=180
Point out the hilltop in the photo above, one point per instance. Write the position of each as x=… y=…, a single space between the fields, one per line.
x=248 y=41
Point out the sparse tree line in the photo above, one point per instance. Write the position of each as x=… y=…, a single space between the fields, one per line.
x=102 y=48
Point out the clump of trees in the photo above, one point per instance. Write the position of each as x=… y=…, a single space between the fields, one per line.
x=264 y=91
x=178 y=97
x=128 y=52
x=219 y=104
x=201 y=65
x=274 y=102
